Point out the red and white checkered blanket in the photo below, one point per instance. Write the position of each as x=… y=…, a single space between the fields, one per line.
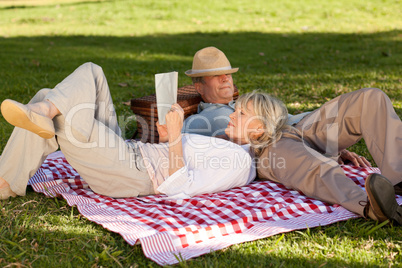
x=170 y=230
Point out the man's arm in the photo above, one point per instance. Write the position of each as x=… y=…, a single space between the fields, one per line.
x=357 y=160
x=212 y=121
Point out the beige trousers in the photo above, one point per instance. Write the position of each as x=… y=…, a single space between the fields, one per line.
x=88 y=134
x=307 y=162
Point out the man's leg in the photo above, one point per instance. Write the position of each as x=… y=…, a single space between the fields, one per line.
x=365 y=113
x=297 y=166
x=368 y=114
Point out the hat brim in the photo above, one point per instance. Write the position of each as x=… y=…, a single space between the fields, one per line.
x=190 y=73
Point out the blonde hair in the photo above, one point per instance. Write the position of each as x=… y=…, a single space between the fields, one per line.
x=272 y=113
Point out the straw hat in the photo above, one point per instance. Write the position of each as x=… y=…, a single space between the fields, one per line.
x=210 y=61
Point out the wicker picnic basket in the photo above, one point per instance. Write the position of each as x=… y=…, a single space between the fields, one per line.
x=147 y=114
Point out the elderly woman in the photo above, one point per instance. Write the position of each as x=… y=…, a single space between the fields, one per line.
x=304 y=157
x=78 y=116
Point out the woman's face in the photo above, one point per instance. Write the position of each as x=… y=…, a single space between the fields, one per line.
x=244 y=125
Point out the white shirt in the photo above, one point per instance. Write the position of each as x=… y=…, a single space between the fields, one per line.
x=211 y=165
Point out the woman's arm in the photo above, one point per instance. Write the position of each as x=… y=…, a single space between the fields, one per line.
x=174 y=124
x=224 y=165
x=162 y=132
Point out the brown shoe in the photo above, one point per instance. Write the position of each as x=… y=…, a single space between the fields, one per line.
x=382 y=199
x=368 y=212
x=398 y=189
x=20 y=116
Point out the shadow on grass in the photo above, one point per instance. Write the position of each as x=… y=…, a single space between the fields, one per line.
x=310 y=66
x=38 y=231
x=303 y=69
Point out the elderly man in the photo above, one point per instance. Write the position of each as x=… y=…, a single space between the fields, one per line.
x=212 y=77
x=211 y=74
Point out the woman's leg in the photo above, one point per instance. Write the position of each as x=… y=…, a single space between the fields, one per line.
x=82 y=98
x=88 y=133
x=106 y=162
x=24 y=154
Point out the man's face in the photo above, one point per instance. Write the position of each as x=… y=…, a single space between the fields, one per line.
x=216 y=89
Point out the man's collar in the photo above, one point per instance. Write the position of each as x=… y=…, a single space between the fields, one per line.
x=205 y=105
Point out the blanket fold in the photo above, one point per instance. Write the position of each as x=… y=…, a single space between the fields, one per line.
x=170 y=230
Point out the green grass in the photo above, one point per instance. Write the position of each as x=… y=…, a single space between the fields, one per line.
x=304 y=52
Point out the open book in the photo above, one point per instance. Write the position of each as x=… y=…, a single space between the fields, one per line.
x=166 y=93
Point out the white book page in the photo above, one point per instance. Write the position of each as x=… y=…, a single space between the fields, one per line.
x=166 y=93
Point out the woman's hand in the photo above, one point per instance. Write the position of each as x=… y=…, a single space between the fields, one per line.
x=173 y=126
x=174 y=122
x=358 y=161
x=162 y=131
